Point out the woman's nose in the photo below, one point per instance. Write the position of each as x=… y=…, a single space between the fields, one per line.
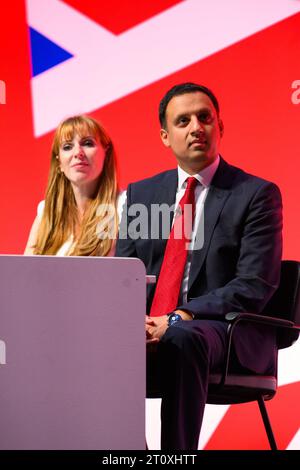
x=79 y=152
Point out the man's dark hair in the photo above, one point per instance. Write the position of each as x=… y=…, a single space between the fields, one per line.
x=182 y=89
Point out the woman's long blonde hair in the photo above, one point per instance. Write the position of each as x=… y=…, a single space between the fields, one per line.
x=60 y=217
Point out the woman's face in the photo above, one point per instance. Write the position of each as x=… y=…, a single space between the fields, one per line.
x=81 y=160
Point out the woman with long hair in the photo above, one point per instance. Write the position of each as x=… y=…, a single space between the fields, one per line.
x=79 y=215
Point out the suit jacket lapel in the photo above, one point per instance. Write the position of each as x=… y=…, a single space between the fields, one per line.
x=168 y=188
x=218 y=193
x=165 y=195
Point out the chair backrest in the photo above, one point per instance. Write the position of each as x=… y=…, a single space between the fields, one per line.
x=285 y=303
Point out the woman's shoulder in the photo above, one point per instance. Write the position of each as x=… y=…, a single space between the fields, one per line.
x=32 y=239
x=40 y=208
x=121 y=200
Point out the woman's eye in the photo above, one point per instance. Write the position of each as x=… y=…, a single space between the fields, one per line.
x=89 y=143
x=66 y=147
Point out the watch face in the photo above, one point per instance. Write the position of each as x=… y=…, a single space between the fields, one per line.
x=174 y=318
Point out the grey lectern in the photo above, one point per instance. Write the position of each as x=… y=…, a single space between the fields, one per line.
x=72 y=353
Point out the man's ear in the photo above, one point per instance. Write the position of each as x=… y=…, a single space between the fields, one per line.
x=164 y=137
x=221 y=127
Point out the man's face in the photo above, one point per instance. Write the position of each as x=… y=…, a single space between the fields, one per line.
x=193 y=131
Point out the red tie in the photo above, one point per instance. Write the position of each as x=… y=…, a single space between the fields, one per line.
x=168 y=286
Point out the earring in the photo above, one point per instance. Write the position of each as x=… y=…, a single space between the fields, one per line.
x=58 y=167
x=59 y=170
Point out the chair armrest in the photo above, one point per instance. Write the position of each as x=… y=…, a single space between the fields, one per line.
x=233 y=318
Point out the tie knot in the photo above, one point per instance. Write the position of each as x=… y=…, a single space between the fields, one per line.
x=191 y=183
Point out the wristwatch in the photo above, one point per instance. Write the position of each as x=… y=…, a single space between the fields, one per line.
x=173 y=318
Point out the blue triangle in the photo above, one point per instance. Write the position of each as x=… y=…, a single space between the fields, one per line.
x=45 y=54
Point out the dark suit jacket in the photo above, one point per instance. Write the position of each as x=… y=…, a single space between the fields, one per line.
x=238 y=267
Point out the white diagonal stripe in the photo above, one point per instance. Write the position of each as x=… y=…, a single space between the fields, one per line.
x=295 y=442
x=288 y=364
x=107 y=67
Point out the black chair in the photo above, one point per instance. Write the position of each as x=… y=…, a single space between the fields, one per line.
x=283 y=313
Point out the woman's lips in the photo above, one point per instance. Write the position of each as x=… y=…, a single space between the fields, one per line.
x=80 y=165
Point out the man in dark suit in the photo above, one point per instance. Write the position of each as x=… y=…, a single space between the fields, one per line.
x=232 y=262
